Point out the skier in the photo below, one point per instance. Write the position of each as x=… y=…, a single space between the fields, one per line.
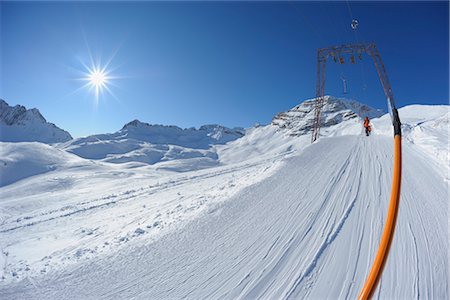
x=367 y=126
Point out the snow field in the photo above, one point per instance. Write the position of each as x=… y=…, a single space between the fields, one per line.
x=79 y=222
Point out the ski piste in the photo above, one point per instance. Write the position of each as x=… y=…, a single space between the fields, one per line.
x=274 y=226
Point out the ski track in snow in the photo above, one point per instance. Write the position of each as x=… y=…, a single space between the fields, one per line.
x=107 y=200
x=311 y=230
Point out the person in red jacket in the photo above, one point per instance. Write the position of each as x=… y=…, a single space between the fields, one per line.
x=367 y=126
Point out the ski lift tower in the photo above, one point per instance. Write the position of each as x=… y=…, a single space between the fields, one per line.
x=337 y=53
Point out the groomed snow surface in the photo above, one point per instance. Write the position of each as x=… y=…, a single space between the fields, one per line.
x=271 y=217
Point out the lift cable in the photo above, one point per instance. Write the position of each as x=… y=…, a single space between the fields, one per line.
x=354 y=26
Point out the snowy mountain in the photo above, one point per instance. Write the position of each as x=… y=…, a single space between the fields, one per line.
x=290 y=131
x=150 y=144
x=18 y=124
x=273 y=216
x=300 y=119
x=201 y=138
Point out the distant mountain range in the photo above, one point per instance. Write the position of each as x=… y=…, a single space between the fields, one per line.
x=142 y=143
x=145 y=143
x=171 y=148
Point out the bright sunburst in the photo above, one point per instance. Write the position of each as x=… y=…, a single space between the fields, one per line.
x=97 y=75
x=98 y=79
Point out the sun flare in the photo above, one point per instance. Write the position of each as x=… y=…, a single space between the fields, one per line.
x=98 y=78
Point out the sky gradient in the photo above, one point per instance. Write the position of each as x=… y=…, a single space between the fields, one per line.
x=194 y=63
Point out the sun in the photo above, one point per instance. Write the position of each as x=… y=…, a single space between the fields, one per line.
x=98 y=78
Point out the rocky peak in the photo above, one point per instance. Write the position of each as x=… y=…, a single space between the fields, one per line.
x=135 y=123
x=300 y=119
x=19 y=124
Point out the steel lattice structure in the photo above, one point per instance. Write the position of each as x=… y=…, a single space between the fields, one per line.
x=337 y=52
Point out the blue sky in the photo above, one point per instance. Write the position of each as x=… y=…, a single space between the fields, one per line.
x=194 y=63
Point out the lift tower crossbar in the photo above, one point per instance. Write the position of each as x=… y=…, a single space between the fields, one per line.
x=337 y=52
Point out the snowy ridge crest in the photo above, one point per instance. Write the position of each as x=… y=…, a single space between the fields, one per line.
x=18 y=124
x=216 y=132
x=203 y=137
x=150 y=144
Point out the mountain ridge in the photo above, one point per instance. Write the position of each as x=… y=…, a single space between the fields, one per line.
x=139 y=143
x=19 y=124
x=299 y=120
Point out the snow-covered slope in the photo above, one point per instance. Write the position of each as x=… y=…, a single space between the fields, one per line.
x=426 y=126
x=22 y=160
x=150 y=144
x=310 y=230
x=276 y=217
x=18 y=124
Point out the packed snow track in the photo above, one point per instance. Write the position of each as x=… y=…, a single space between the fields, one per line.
x=311 y=230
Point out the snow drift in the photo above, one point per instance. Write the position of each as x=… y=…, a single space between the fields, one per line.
x=22 y=160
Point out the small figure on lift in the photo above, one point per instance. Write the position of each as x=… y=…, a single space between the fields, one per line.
x=354 y=24
x=344 y=82
x=367 y=126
